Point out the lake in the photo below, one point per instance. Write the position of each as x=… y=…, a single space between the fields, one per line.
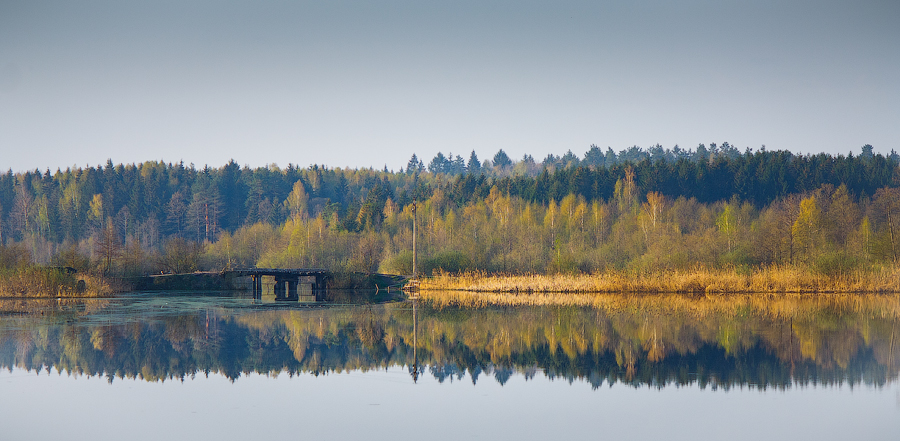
x=226 y=366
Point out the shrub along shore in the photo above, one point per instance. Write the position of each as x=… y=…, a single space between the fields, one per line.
x=42 y=282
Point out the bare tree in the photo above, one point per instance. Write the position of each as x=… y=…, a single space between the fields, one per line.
x=149 y=233
x=887 y=207
x=175 y=213
x=180 y=256
x=21 y=213
x=108 y=246
x=123 y=220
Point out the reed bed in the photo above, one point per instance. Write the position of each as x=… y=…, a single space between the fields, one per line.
x=775 y=279
x=42 y=283
x=774 y=290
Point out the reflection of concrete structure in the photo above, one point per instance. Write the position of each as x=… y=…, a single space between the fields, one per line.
x=287 y=284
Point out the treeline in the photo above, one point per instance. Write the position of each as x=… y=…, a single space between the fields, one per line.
x=502 y=164
x=635 y=209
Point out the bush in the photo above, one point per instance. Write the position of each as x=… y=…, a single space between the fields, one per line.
x=69 y=256
x=400 y=263
x=38 y=281
x=52 y=279
x=180 y=256
x=836 y=264
x=740 y=256
x=14 y=256
x=447 y=261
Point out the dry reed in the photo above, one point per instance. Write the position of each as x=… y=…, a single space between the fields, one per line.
x=29 y=285
x=774 y=279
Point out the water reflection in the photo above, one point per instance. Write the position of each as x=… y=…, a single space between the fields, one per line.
x=720 y=342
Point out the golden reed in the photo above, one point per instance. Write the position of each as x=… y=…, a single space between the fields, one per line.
x=25 y=285
x=774 y=279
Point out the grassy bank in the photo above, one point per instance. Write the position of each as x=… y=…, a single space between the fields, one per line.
x=43 y=282
x=774 y=279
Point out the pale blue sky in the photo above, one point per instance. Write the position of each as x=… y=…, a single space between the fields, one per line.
x=368 y=83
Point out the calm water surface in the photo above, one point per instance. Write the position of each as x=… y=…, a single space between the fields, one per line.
x=652 y=367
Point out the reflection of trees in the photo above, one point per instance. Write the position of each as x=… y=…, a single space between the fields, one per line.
x=715 y=342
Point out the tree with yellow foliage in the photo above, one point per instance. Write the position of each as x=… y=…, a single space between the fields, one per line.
x=805 y=230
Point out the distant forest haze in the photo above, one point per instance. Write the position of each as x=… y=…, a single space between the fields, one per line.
x=637 y=209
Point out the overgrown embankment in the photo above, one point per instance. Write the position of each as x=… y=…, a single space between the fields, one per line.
x=360 y=280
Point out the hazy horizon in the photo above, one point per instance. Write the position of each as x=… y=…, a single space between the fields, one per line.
x=365 y=84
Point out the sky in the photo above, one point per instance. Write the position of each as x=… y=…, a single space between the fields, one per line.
x=369 y=83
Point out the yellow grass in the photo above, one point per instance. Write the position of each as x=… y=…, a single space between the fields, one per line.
x=20 y=285
x=776 y=279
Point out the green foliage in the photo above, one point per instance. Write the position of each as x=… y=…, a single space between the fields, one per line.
x=501 y=160
x=449 y=261
x=399 y=263
x=632 y=209
x=741 y=256
x=837 y=263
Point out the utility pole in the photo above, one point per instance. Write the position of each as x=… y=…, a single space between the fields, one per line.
x=415 y=267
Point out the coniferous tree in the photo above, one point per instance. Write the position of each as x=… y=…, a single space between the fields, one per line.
x=439 y=164
x=501 y=160
x=473 y=166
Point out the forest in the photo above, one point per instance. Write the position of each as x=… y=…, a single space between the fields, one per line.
x=635 y=210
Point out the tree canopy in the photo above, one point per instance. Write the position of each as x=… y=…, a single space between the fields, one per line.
x=605 y=209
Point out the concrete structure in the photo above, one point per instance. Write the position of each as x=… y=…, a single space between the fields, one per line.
x=287 y=281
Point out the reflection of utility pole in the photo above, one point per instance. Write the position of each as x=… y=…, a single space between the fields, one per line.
x=791 y=335
x=415 y=370
x=891 y=354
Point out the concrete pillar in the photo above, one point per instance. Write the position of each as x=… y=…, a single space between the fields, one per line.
x=257 y=285
x=279 y=287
